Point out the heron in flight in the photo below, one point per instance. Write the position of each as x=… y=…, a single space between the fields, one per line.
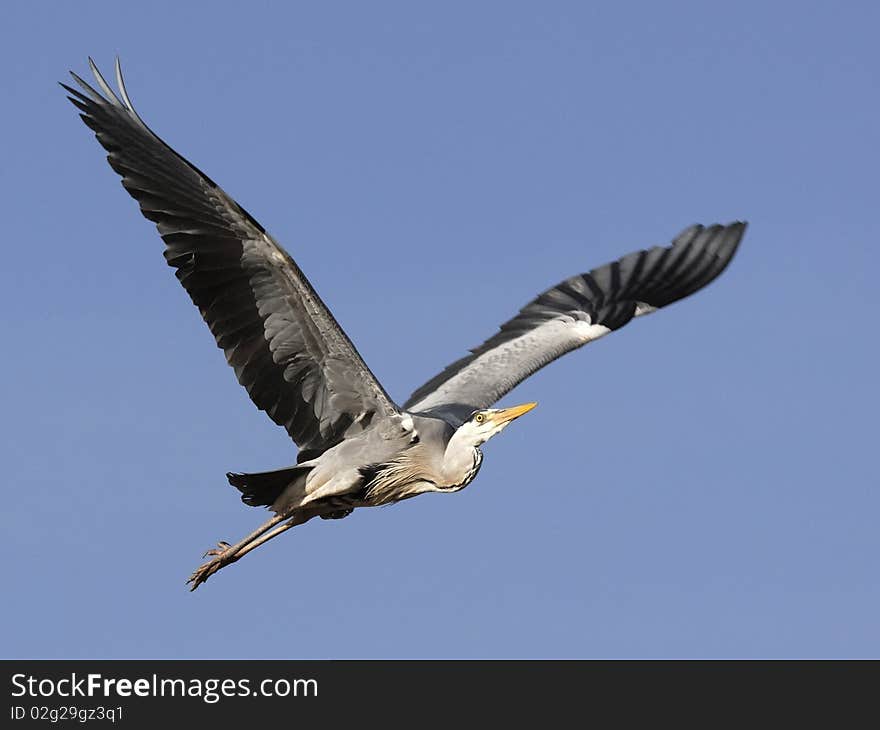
x=357 y=447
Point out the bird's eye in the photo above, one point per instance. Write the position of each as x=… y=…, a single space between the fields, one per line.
x=479 y=418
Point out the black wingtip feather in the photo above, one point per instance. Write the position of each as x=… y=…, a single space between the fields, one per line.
x=608 y=295
x=233 y=272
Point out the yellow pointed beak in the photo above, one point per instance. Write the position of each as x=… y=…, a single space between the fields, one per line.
x=508 y=414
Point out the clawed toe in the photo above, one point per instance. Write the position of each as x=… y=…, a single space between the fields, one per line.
x=203 y=572
x=221 y=548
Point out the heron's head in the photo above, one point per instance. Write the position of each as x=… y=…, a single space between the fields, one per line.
x=485 y=423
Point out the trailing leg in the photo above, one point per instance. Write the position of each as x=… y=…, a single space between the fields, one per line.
x=226 y=554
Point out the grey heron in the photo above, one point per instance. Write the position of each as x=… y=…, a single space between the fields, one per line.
x=356 y=446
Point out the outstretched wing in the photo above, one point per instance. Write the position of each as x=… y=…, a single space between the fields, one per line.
x=286 y=348
x=575 y=312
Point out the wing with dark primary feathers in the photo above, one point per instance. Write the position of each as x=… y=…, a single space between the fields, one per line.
x=286 y=348
x=575 y=312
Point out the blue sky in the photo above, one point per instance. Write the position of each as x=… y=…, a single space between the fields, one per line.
x=700 y=484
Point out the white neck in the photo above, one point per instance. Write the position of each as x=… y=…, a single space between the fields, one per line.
x=461 y=454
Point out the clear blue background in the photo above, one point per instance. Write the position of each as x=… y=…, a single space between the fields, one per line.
x=700 y=484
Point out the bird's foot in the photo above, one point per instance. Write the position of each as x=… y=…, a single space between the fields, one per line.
x=220 y=557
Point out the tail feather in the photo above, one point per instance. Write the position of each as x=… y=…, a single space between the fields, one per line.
x=263 y=488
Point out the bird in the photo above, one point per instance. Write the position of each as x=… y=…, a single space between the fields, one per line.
x=357 y=447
